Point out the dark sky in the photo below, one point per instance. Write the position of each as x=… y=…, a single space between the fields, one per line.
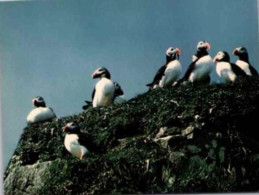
x=51 y=48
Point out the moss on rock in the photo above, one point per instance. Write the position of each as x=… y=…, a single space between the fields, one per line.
x=192 y=138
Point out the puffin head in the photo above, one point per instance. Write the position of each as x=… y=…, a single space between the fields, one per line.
x=101 y=73
x=38 y=102
x=173 y=53
x=222 y=56
x=71 y=128
x=118 y=91
x=240 y=51
x=203 y=45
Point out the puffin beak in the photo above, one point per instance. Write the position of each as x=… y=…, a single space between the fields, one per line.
x=33 y=101
x=178 y=51
x=64 y=128
x=215 y=59
x=235 y=52
x=95 y=75
x=208 y=46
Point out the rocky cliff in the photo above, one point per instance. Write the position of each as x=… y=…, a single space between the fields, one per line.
x=184 y=139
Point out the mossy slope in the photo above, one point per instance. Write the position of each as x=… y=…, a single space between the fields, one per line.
x=184 y=139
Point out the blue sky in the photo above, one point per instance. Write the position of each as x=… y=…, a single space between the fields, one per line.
x=51 y=48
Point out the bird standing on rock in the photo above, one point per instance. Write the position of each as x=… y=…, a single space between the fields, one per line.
x=225 y=69
x=103 y=93
x=40 y=113
x=169 y=72
x=74 y=141
x=243 y=61
x=200 y=68
x=118 y=94
x=117 y=98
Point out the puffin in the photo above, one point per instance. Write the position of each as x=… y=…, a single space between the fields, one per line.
x=117 y=97
x=103 y=93
x=74 y=142
x=40 y=113
x=200 y=68
x=243 y=61
x=168 y=73
x=225 y=69
x=118 y=94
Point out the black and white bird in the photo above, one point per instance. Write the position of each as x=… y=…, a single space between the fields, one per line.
x=74 y=141
x=103 y=93
x=169 y=72
x=200 y=68
x=243 y=61
x=40 y=113
x=117 y=97
x=225 y=69
x=118 y=94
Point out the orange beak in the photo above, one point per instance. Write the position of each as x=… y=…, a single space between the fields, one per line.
x=33 y=100
x=215 y=59
x=208 y=46
x=64 y=128
x=95 y=75
x=178 y=51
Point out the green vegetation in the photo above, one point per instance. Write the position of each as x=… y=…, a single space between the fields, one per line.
x=192 y=138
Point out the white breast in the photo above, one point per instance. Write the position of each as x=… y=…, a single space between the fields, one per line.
x=244 y=66
x=172 y=73
x=224 y=71
x=40 y=115
x=72 y=145
x=104 y=91
x=203 y=67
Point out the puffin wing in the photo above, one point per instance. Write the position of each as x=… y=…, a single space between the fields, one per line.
x=89 y=103
x=189 y=71
x=160 y=73
x=253 y=70
x=237 y=70
x=81 y=140
x=93 y=94
x=53 y=112
x=86 y=142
